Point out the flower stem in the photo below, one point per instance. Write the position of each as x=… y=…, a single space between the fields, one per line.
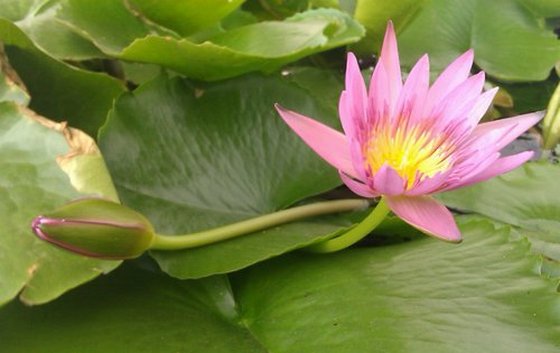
x=193 y=240
x=551 y=122
x=356 y=233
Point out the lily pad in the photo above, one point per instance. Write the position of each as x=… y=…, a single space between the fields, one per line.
x=33 y=182
x=186 y=17
x=263 y=46
x=37 y=19
x=518 y=49
x=421 y=296
x=526 y=198
x=59 y=91
x=192 y=158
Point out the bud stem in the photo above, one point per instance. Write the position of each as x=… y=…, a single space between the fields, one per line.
x=355 y=234
x=193 y=240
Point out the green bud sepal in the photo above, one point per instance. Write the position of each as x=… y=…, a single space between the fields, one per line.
x=96 y=227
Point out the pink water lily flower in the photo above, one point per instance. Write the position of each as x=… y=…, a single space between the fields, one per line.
x=405 y=142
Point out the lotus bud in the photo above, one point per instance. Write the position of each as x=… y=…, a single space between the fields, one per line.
x=97 y=228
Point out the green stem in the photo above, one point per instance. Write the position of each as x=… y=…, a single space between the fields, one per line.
x=551 y=121
x=193 y=240
x=356 y=233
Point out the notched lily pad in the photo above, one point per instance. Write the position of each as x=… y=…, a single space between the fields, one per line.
x=196 y=157
x=44 y=164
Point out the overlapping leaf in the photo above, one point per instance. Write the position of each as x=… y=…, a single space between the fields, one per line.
x=263 y=46
x=509 y=41
x=58 y=90
x=194 y=158
x=44 y=164
x=374 y=14
x=526 y=198
x=185 y=17
x=421 y=296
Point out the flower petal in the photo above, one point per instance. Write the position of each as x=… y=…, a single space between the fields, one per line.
x=429 y=184
x=501 y=166
x=449 y=79
x=481 y=106
x=511 y=128
x=357 y=187
x=328 y=143
x=353 y=100
x=388 y=182
x=413 y=94
x=453 y=108
x=426 y=214
x=386 y=80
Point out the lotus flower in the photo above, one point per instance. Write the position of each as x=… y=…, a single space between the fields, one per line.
x=405 y=142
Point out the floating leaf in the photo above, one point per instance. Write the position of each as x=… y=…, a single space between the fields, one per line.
x=526 y=198
x=58 y=90
x=421 y=296
x=374 y=14
x=37 y=19
x=11 y=87
x=32 y=182
x=508 y=40
x=195 y=158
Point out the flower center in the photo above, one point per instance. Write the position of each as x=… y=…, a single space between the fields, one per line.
x=413 y=153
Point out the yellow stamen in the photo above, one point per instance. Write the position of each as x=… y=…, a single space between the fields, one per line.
x=410 y=152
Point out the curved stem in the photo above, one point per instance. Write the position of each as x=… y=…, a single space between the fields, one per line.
x=551 y=121
x=193 y=240
x=356 y=233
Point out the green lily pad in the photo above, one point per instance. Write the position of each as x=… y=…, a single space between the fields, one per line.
x=33 y=182
x=11 y=87
x=263 y=46
x=525 y=198
x=186 y=17
x=508 y=39
x=193 y=158
x=374 y=14
x=59 y=91
x=421 y=296
x=37 y=19
x=146 y=312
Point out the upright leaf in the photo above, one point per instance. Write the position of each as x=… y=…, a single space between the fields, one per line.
x=263 y=46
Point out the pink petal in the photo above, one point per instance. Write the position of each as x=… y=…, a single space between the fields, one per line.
x=429 y=184
x=481 y=150
x=386 y=80
x=352 y=104
x=358 y=159
x=510 y=128
x=501 y=166
x=477 y=163
x=388 y=182
x=459 y=102
x=328 y=143
x=449 y=79
x=357 y=187
x=481 y=106
x=426 y=214
x=414 y=91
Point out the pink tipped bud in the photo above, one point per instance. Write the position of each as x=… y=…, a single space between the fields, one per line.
x=96 y=228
